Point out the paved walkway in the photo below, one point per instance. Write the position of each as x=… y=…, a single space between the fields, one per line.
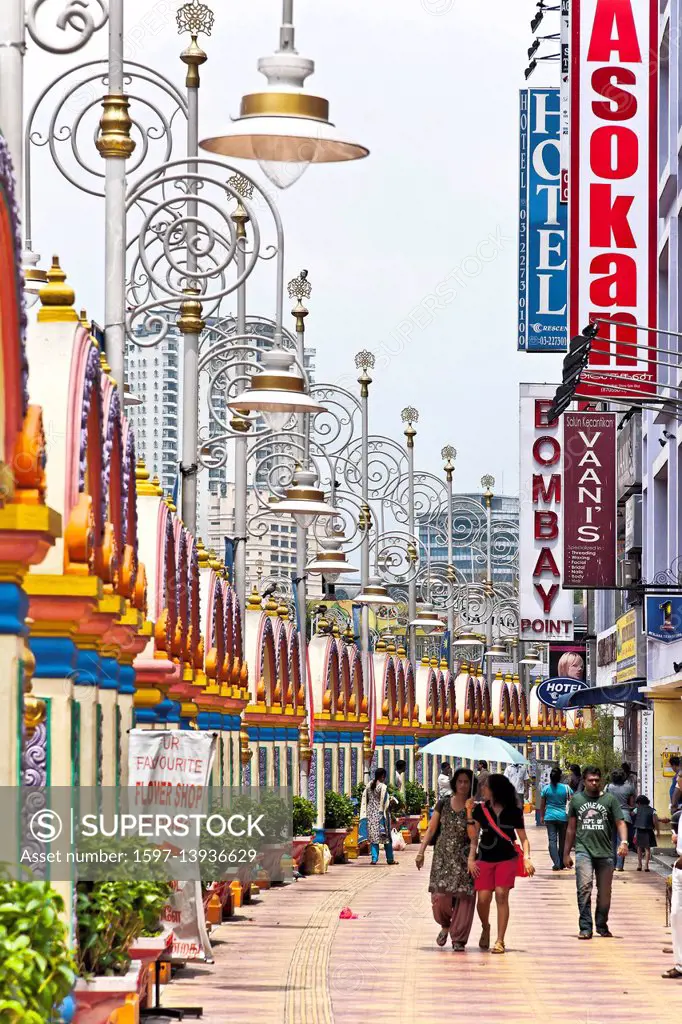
x=290 y=960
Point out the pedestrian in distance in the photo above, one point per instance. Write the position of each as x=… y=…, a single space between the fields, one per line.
x=553 y=814
x=676 y=784
x=451 y=884
x=624 y=792
x=646 y=826
x=444 y=780
x=400 y=769
x=375 y=817
x=676 y=908
x=593 y=817
x=483 y=773
x=494 y=857
x=575 y=778
x=519 y=776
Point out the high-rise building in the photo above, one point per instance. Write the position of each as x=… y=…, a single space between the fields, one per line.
x=154 y=375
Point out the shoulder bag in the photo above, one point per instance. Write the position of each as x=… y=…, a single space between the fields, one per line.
x=520 y=862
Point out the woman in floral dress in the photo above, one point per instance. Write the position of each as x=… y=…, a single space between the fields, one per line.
x=451 y=886
x=375 y=817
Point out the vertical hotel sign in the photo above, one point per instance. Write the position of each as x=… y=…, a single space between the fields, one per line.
x=613 y=184
x=545 y=609
x=543 y=225
x=590 y=499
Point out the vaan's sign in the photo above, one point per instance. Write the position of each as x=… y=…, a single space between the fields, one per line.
x=613 y=190
x=589 y=499
x=545 y=609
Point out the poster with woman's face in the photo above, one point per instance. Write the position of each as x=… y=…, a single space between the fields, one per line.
x=570 y=665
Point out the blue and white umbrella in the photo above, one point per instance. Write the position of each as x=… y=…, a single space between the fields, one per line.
x=475 y=747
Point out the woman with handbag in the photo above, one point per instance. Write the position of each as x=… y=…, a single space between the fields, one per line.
x=375 y=817
x=495 y=858
x=451 y=885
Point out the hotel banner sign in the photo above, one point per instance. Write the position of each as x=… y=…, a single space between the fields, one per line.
x=545 y=608
x=613 y=184
x=543 y=225
x=590 y=504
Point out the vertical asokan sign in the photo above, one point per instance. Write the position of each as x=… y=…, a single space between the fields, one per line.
x=613 y=185
x=590 y=501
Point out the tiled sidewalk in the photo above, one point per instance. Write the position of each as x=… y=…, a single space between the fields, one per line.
x=290 y=960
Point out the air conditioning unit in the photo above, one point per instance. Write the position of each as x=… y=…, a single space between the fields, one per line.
x=629 y=572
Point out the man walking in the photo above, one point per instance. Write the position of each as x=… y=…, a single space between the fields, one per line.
x=593 y=817
x=518 y=776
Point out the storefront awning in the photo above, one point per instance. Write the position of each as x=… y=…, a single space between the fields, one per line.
x=622 y=693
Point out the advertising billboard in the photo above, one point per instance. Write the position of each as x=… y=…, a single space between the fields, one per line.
x=543 y=225
x=545 y=608
x=630 y=647
x=613 y=183
x=589 y=499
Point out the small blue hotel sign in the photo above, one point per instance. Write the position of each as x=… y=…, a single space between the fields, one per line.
x=543 y=226
x=663 y=620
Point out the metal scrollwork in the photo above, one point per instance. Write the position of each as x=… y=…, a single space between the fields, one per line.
x=82 y=17
x=187 y=240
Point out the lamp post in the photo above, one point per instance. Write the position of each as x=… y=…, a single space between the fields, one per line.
x=488 y=482
x=449 y=454
x=410 y=416
x=364 y=361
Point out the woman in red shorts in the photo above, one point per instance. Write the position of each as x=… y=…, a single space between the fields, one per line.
x=493 y=827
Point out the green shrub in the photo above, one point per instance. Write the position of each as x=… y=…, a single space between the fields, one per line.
x=415 y=798
x=338 y=810
x=111 y=915
x=304 y=816
x=37 y=969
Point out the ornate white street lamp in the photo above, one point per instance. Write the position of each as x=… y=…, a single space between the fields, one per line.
x=283 y=127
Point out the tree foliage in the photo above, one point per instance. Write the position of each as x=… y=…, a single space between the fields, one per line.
x=591 y=746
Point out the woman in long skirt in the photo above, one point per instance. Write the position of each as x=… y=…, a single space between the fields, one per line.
x=375 y=817
x=451 y=885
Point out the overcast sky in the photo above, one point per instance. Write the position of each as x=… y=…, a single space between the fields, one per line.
x=431 y=88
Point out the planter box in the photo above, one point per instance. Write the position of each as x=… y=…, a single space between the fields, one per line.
x=334 y=839
x=97 y=999
x=411 y=822
x=147 y=949
x=298 y=848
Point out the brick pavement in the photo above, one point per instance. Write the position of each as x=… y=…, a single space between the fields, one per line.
x=290 y=960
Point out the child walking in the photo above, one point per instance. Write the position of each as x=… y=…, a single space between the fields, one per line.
x=646 y=830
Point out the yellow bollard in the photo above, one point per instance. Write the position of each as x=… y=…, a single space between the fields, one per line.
x=237 y=895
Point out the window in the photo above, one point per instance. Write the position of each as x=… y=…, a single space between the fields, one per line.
x=275 y=527
x=274 y=558
x=274 y=543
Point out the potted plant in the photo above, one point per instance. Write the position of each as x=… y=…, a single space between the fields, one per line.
x=338 y=817
x=111 y=917
x=304 y=814
x=416 y=799
x=37 y=969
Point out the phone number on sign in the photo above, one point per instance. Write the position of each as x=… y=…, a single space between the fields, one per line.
x=196 y=856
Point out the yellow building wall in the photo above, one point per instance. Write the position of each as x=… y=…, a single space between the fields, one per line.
x=667 y=739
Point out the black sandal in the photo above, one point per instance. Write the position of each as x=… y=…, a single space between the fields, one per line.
x=672 y=973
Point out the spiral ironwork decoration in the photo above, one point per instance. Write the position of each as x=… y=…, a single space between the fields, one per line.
x=78 y=19
x=187 y=239
x=72 y=105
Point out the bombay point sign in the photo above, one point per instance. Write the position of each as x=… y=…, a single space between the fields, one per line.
x=613 y=190
x=545 y=609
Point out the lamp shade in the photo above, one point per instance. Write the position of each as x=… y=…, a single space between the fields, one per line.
x=427 y=620
x=277 y=391
x=374 y=593
x=330 y=561
x=304 y=501
x=283 y=127
x=468 y=640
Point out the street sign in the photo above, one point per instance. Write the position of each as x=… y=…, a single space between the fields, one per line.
x=549 y=690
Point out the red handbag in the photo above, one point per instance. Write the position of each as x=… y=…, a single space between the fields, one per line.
x=520 y=861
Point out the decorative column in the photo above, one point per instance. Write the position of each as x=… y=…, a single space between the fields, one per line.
x=304 y=757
